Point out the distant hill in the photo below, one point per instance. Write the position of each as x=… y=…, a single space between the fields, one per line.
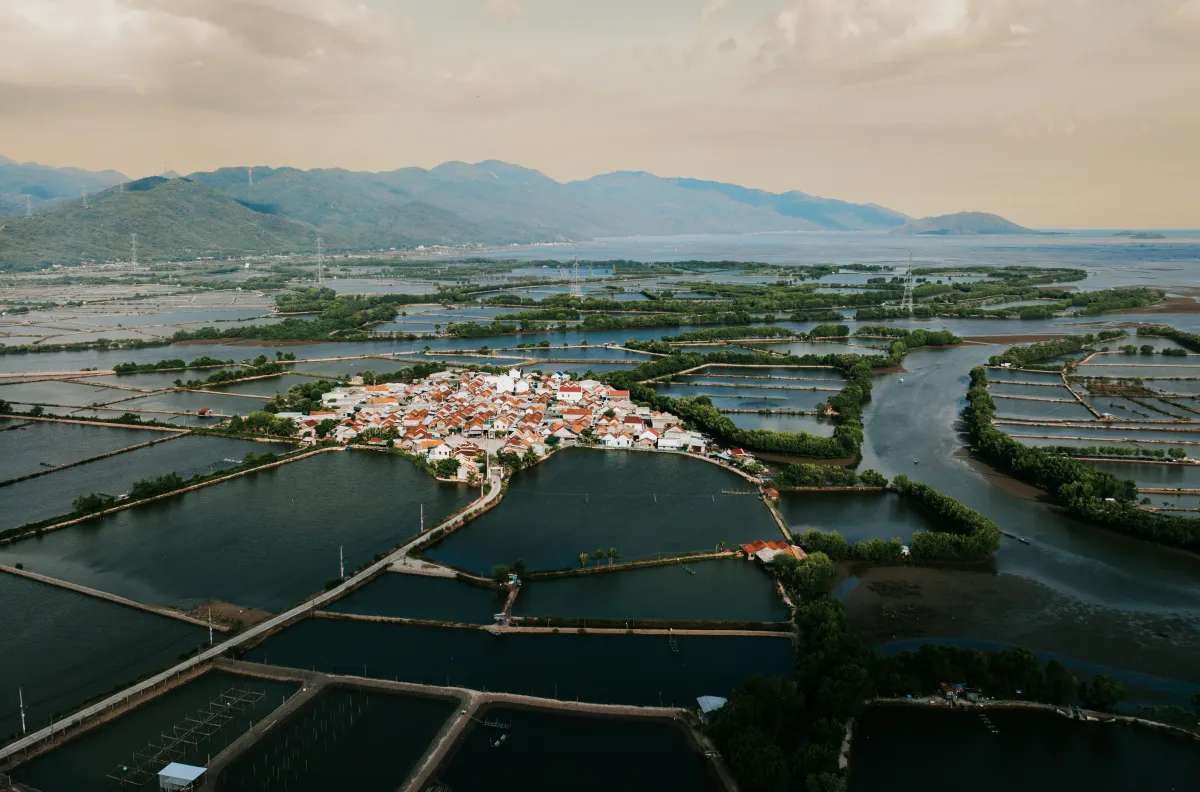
x=495 y=202
x=963 y=224
x=45 y=185
x=174 y=219
x=455 y=203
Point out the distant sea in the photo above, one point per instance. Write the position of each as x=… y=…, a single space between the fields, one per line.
x=1111 y=260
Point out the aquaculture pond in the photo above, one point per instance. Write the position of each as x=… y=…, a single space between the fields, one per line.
x=152 y=380
x=1057 y=410
x=812 y=424
x=63 y=649
x=552 y=748
x=191 y=402
x=1034 y=751
x=54 y=392
x=423 y=597
x=85 y=762
x=641 y=503
x=265 y=540
x=343 y=735
x=724 y=590
x=40 y=445
x=624 y=669
x=752 y=399
x=51 y=495
x=855 y=515
x=267 y=386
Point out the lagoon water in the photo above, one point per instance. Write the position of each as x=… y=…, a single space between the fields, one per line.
x=725 y=590
x=82 y=763
x=579 y=500
x=556 y=750
x=264 y=540
x=51 y=495
x=624 y=669
x=420 y=597
x=1034 y=751
x=64 y=649
x=855 y=515
x=343 y=739
x=24 y=449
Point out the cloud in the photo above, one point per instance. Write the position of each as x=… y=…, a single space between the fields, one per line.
x=861 y=35
x=505 y=9
x=711 y=9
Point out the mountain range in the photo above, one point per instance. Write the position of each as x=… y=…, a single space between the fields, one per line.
x=963 y=224
x=224 y=212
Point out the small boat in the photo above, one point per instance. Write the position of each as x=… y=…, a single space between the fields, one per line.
x=902 y=379
x=1022 y=540
x=916 y=461
x=47 y=464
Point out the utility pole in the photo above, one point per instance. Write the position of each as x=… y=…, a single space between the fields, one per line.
x=85 y=203
x=320 y=261
x=210 y=635
x=133 y=249
x=341 y=563
x=249 y=177
x=21 y=699
x=29 y=206
x=422 y=517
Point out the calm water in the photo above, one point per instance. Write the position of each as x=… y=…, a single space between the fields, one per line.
x=420 y=597
x=626 y=669
x=726 y=590
x=373 y=738
x=581 y=500
x=24 y=449
x=856 y=516
x=51 y=495
x=83 y=763
x=264 y=540
x=1032 y=751
x=65 y=648
x=561 y=751
x=1094 y=566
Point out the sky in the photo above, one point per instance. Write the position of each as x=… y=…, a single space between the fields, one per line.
x=1053 y=113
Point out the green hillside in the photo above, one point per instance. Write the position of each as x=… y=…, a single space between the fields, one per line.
x=174 y=219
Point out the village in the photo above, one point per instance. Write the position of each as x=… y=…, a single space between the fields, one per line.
x=454 y=419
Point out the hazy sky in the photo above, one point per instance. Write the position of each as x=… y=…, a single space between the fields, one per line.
x=1055 y=113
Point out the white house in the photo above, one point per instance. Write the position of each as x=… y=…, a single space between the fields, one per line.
x=617 y=441
x=440 y=452
x=570 y=392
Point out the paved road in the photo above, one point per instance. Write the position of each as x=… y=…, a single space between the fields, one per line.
x=249 y=635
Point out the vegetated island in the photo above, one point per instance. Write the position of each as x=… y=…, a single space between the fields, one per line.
x=962 y=224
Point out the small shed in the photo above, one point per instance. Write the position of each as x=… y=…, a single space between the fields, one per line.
x=177 y=777
x=710 y=704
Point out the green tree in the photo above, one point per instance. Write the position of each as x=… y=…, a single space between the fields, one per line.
x=613 y=554
x=583 y=559
x=1177 y=453
x=447 y=468
x=1103 y=693
x=500 y=573
x=812 y=576
x=598 y=556
x=236 y=424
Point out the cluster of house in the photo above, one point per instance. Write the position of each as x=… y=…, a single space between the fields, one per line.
x=447 y=415
x=765 y=552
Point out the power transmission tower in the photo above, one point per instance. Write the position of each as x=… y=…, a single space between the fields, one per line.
x=907 y=303
x=576 y=288
x=320 y=261
x=29 y=206
x=249 y=177
x=133 y=249
x=85 y=203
